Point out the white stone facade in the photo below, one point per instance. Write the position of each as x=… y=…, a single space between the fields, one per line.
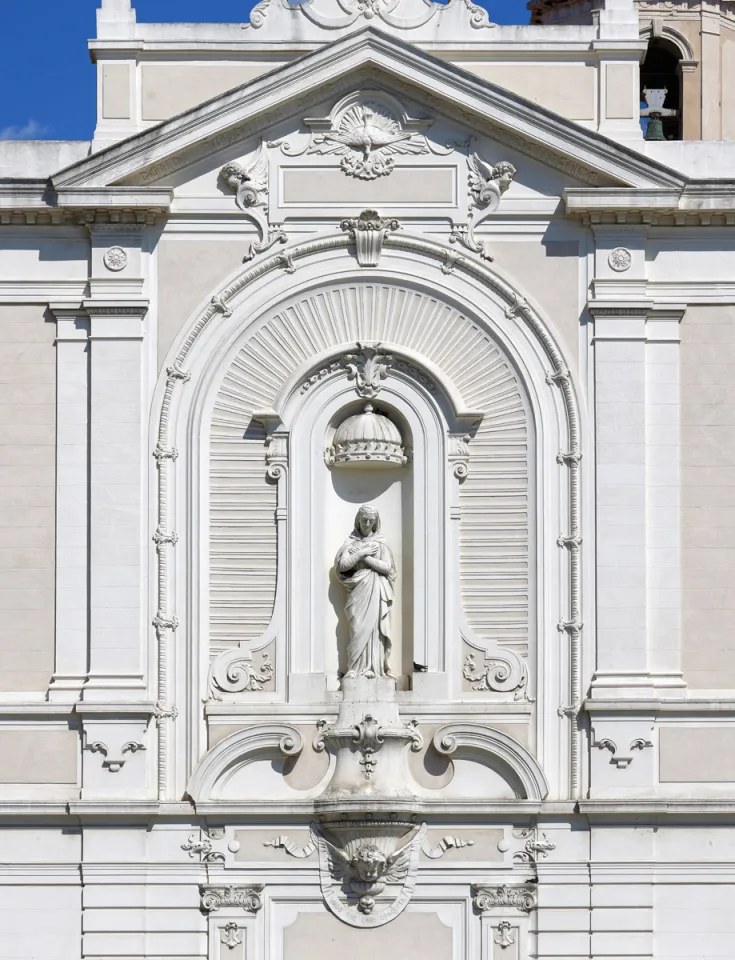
x=395 y=210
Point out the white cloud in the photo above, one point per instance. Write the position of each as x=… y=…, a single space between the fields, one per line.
x=32 y=130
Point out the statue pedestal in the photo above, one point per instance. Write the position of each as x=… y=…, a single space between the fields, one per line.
x=371 y=748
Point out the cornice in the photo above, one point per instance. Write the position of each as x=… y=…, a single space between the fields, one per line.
x=695 y=203
x=660 y=707
x=36 y=202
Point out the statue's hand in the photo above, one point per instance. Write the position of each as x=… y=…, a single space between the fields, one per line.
x=372 y=548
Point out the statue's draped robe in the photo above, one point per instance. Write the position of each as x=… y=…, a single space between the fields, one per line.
x=368 y=607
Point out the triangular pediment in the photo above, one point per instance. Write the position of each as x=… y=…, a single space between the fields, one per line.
x=373 y=60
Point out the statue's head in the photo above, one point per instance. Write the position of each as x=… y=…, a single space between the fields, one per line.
x=367 y=521
x=369 y=863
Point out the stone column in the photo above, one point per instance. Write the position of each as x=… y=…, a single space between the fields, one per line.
x=72 y=501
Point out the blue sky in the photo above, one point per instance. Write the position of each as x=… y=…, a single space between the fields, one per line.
x=47 y=83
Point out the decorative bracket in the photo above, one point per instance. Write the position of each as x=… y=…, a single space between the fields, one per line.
x=115 y=765
x=487 y=184
x=622 y=761
x=368 y=231
x=249 y=182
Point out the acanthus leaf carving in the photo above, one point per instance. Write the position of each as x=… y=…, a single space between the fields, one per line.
x=249 y=182
x=537 y=845
x=502 y=671
x=368 y=231
x=368 y=736
x=203 y=848
x=459 y=455
x=233 y=671
x=230 y=936
x=368 y=368
x=503 y=936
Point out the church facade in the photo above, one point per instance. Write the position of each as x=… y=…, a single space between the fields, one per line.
x=367 y=517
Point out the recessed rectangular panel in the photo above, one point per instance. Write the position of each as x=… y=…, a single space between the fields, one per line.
x=318 y=187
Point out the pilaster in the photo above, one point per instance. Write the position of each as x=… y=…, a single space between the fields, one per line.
x=116 y=499
x=636 y=345
x=72 y=501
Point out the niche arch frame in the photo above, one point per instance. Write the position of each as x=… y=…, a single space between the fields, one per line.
x=185 y=396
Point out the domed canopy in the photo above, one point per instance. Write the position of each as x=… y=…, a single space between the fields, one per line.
x=367 y=437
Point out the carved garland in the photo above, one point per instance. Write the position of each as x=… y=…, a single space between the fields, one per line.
x=559 y=377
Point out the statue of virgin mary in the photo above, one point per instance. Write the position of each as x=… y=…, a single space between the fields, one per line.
x=365 y=565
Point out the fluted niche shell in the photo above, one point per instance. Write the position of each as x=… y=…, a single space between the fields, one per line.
x=367 y=437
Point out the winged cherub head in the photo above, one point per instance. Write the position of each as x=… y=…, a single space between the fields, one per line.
x=369 y=863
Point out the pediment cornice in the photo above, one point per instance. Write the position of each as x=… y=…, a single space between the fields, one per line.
x=373 y=58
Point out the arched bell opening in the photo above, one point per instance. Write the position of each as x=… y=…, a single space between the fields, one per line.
x=661 y=99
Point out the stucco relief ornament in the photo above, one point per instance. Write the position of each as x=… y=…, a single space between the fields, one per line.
x=115 y=259
x=501 y=671
x=357 y=869
x=368 y=231
x=486 y=185
x=368 y=137
x=249 y=182
x=399 y=14
x=368 y=368
x=233 y=671
x=620 y=260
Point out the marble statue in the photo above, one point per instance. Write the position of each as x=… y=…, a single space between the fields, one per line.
x=365 y=565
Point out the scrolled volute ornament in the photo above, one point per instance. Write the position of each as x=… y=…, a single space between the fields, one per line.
x=215 y=898
x=489 y=897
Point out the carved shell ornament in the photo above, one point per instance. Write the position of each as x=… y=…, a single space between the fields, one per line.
x=368 y=138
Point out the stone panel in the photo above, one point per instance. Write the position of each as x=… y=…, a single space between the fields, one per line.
x=697 y=754
x=38 y=756
x=412 y=936
x=708 y=495
x=27 y=498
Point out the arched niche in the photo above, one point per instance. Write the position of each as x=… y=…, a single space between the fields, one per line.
x=415 y=503
x=242 y=350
